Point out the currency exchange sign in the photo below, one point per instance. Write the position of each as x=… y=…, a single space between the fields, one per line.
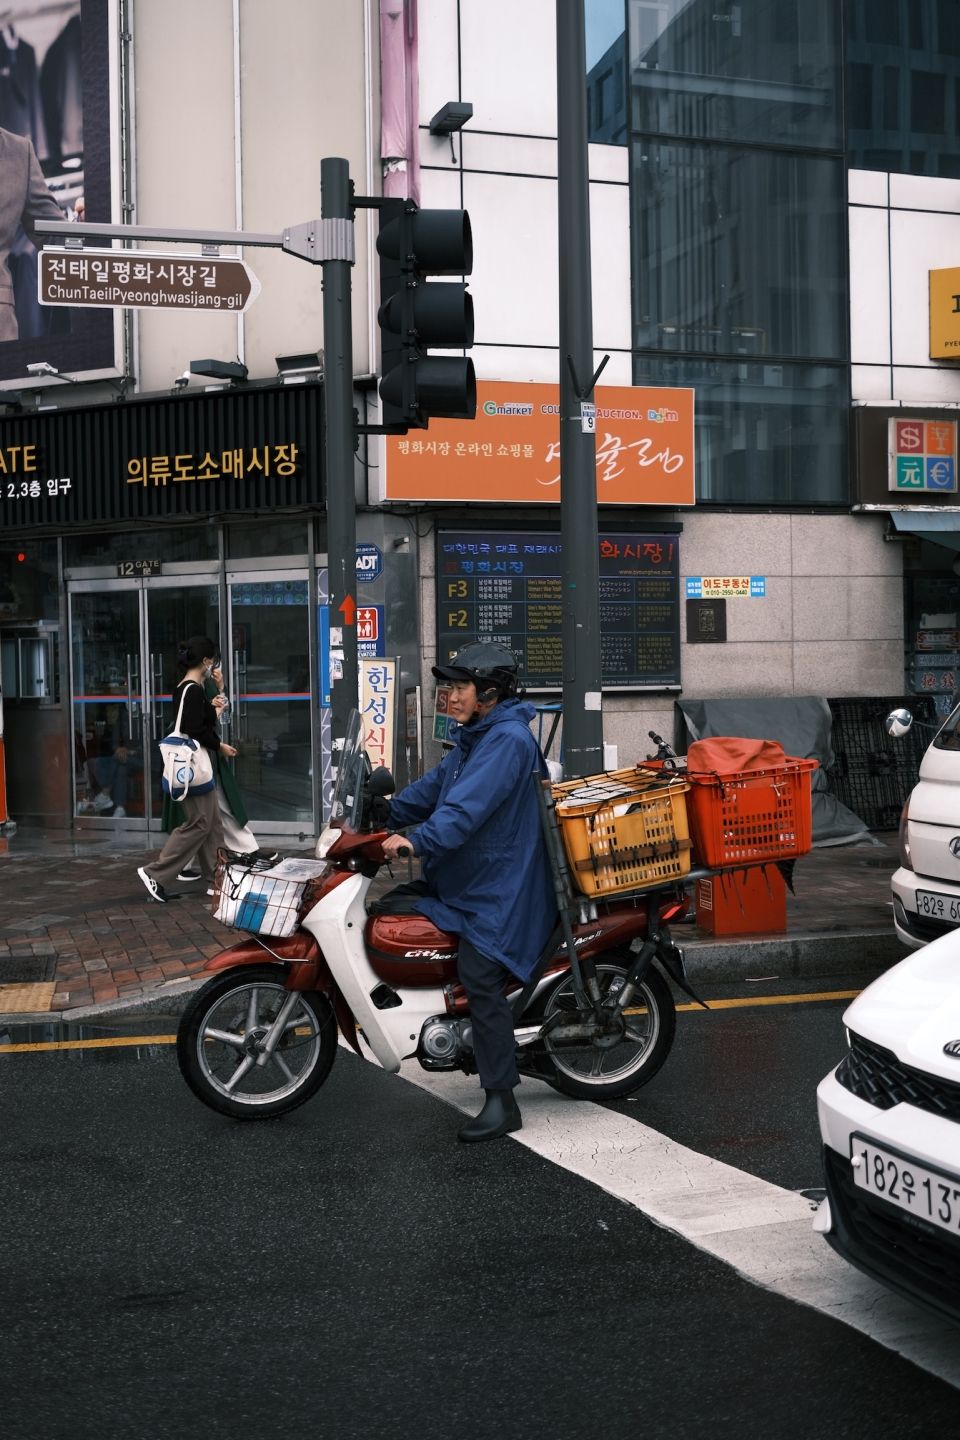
x=144 y=280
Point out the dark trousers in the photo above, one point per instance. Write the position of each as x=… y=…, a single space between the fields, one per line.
x=490 y=1016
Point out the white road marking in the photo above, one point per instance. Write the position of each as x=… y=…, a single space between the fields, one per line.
x=762 y=1230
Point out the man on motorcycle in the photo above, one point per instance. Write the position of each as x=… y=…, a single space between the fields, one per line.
x=486 y=875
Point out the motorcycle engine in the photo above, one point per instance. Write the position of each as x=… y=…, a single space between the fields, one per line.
x=443 y=1042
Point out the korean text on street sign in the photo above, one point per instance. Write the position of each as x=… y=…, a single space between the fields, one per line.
x=144 y=280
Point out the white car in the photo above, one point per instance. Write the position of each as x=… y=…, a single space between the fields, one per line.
x=926 y=888
x=890 y=1125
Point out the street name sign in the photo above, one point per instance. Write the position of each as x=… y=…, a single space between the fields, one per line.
x=145 y=280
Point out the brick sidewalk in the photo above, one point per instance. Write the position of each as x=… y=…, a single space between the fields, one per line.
x=78 y=929
x=83 y=931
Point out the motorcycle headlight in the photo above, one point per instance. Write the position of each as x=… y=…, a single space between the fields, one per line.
x=324 y=844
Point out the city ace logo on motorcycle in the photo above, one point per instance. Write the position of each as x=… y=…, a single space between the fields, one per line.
x=261 y=1036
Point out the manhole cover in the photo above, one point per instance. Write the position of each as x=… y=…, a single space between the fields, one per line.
x=27 y=969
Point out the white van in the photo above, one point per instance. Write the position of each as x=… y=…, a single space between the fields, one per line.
x=926 y=888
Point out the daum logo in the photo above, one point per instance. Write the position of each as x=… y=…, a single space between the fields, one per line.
x=663 y=416
x=952 y=1048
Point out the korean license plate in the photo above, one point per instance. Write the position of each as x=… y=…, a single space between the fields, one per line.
x=930 y=1195
x=937 y=906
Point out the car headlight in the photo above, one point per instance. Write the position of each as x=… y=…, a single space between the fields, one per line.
x=904 y=838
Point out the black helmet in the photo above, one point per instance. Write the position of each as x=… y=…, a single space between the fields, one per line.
x=485 y=664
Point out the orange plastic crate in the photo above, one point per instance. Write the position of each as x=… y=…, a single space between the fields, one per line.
x=751 y=815
x=623 y=830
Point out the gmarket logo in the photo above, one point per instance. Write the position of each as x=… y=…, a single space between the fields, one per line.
x=663 y=416
x=495 y=407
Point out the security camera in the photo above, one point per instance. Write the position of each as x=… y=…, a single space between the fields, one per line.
x=182 y=380
x=42 y=367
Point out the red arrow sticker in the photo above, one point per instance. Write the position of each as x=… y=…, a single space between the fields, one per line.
x=348 y=609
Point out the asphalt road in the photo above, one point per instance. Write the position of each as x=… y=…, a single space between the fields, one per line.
x=352 y=1271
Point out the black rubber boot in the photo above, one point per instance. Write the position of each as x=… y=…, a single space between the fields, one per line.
x=499 y=1116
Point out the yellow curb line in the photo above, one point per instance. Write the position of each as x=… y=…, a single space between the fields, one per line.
x=748 y=1000
x=125 y=1040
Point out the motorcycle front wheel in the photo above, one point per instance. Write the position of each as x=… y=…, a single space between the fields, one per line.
x=220 y=1037
x=609 y=1066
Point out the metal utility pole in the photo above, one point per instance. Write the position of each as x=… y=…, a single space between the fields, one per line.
x=582 y=714
x=337 y=246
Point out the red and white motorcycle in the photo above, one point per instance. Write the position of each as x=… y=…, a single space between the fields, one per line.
x=261 y=1036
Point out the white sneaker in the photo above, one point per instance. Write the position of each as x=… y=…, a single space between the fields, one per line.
x=119 y=813
x=102 y=801
x=157 y=892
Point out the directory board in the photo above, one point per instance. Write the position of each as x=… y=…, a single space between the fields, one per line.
x=507 y=586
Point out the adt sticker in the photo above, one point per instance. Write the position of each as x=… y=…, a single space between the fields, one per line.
x=369 y=562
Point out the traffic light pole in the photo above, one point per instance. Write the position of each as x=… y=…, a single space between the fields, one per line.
x=336 y=218
x=582 y=713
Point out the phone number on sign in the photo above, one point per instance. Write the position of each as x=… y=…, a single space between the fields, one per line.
x=33 y=489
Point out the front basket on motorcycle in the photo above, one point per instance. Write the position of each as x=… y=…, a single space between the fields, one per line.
x=262 y=901
x=624 y=830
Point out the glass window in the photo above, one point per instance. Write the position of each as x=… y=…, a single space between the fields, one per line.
x=891 y=98
x=767 y=71
x=195 y=542
x=948 y=27
x=915 y=69
x=860 y=97
x=738 y=252
x=882 y=22
x=928 y=101
x=605 y=31
x=268 y=537
x=765 y=434
x=29 y=582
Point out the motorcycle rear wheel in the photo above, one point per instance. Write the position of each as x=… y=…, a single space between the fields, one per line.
x=218 y=1034
x=587 y=1071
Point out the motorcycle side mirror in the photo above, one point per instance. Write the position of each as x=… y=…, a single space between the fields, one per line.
x=380 y=782
x=898 y=723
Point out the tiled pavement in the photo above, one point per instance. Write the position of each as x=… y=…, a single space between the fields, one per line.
x=77 y=928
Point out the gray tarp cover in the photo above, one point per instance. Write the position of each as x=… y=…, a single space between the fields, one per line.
x=802 y=724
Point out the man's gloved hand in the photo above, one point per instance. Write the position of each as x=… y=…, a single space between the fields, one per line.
x=379 y=813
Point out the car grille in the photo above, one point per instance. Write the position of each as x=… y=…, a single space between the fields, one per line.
x=923 y=929
x=909 y=1255
x=876 y=1075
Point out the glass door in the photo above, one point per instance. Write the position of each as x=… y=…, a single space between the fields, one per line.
x=177 y=608
x=268 y=676
x=109 y=713
x=125 y=635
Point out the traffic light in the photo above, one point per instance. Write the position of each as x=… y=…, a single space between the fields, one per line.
x=417 y=314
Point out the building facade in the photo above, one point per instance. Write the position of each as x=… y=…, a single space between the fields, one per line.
x=772 y=185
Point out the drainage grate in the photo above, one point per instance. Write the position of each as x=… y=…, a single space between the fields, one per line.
x=27 y=969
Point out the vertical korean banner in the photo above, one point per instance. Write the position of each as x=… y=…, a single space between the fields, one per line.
x=378 y=709
x=59 y=160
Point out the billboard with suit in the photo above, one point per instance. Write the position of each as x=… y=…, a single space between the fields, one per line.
x=59 y=160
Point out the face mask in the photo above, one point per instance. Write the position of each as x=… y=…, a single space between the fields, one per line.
x=207 y=671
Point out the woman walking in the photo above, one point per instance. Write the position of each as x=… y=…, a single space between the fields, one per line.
x=201 y=833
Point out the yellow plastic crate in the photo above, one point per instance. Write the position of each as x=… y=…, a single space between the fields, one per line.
x=624 y=830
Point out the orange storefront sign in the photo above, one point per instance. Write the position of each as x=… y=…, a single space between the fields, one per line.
x=511 y=452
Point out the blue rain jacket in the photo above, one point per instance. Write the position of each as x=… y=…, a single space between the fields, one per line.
x=481 y=842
